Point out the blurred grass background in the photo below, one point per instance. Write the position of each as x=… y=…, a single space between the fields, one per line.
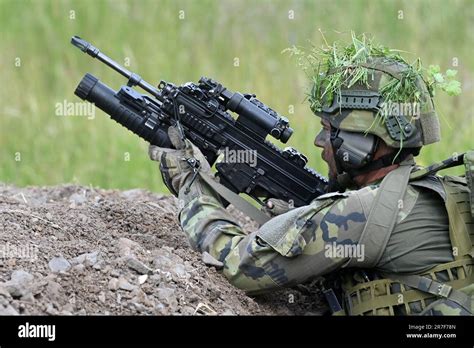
x=39 y=148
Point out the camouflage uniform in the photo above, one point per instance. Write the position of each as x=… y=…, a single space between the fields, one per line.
x=304 y=243
x=297 y=246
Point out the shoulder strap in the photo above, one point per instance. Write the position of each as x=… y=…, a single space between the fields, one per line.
x=382 y=216
x=461 y=229
x=453 y=161
x=469 y=164
x=237 y=201
x=458 y=195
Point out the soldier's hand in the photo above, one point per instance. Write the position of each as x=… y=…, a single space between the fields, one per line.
x=177 y=165
x=274 y=207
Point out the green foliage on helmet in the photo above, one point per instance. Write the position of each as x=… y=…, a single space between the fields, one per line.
x=340 y=73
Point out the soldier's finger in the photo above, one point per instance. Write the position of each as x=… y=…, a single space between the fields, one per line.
x=175 y=138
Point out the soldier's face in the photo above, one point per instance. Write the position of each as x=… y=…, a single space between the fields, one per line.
x=323 y=140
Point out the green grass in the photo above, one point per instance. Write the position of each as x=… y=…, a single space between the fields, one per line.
x=161 y=46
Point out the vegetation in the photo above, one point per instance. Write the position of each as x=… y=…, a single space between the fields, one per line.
x=238 y=43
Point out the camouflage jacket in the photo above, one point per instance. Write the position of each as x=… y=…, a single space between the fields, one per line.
x=316 y=239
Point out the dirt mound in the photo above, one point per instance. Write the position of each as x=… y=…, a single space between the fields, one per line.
x=77 y=250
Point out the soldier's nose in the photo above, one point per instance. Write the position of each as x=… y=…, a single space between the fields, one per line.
x=319 y=140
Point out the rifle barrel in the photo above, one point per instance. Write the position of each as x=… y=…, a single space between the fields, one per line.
x=133 y=78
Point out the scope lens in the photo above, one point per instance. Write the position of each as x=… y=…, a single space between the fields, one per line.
x=286 y=135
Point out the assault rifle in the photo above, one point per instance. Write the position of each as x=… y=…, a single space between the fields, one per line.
x=202 y=113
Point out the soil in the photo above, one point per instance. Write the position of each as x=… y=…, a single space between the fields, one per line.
x=74 y=250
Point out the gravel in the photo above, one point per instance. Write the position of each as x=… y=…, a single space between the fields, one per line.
x=73 y=250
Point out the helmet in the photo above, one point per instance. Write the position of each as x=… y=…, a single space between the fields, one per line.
x=378 y=99
x=369 y=107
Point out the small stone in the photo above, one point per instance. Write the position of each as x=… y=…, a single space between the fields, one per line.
x=98 y=266
x=28 y=297
x=92 y=258
x=79 y=269
x=21 y=276
x=113 y=284
x=179 y=272
x=193 y=298
x=59 y=264
x=77 y=199
x=209 y=260
x=68 y=308
x=187 y=310
x=84 y=219
x=8 y=310
x=124 y=284
x=38 y=286
x=126 y=246
x=19 y=284
x=115 y=273
x=138 y=306
x=51 y=276
x=89 y=259
x=50 y=309
x=168 y=297
x=204 y=309
x=138 y=266
x=16 y=305
x=3 y=290
x=155 y=279
x=160 y=309
x=49 y=216
x=10 y=262
x=53 y=290
x=142 y=279
x=101 y=297
x=165 y=293
x=166 y=255
x=141 y=297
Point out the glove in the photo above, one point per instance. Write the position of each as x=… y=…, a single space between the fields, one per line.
x=274 y=207
x=179 y=166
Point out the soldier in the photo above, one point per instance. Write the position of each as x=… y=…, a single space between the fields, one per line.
x=398 y=241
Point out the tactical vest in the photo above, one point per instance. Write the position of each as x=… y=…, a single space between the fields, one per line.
x=426 y=293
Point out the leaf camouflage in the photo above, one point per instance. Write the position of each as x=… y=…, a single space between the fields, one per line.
x=331 y=66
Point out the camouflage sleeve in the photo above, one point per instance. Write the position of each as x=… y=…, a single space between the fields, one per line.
x=291 y=248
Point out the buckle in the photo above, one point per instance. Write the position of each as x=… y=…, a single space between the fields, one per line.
x=195 y=165
x=444 y=290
